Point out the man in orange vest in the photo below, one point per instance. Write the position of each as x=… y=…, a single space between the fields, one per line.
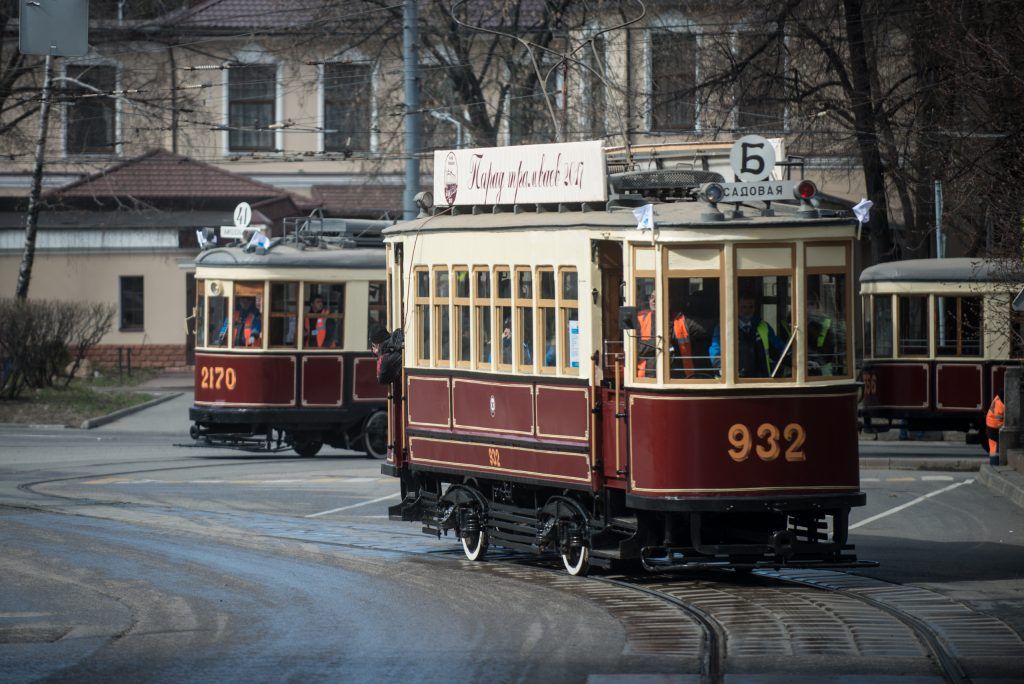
x=681 y=335
x=248 y=325
x=993 y=421
x=319 y=329
x=646 y=345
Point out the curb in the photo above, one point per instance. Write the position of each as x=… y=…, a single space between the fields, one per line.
x=951 y=463
x=1003 y=480
x=121 y=413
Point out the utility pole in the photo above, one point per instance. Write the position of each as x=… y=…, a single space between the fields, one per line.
x=410 y=47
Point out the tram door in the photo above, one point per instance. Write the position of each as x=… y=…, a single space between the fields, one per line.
x=396 y=307
x=610 y=434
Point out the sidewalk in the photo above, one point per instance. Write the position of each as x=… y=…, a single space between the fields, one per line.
x=167 y=386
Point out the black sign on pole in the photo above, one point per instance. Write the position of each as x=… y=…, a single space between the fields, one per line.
x=59 y=28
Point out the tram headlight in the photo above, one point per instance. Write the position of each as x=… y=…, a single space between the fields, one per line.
x=805 y=190
x=712 y=193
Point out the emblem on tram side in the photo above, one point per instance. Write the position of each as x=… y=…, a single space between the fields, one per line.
x=451 y=187
x=492 y=406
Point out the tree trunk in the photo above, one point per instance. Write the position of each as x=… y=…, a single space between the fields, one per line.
x=32 y=220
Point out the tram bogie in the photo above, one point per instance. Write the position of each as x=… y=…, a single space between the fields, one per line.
x=575 y=386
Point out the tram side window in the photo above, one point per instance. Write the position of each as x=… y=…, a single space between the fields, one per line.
x=484 y=331
x=647 y=330
x=548 y=319
x=200 y=313
x=463 y=350
x=503 y=303
x=218 y=316
x=764 y=327
x=246 y=330
x=882 y=318
x=524 y=308
x=826 y=325
x=443 y=317
x=284 y=308
x=913 y=318
x=958 y=326
x=693 y=310
x=423 y=346
x=323 y=326
x=376 y=305
x=865 y=306
x=570 y=328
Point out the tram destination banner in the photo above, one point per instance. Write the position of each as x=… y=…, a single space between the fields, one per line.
x=521 y=174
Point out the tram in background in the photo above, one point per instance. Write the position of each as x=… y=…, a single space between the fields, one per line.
x=939 y=335
x=578 y=386
x=282 y=356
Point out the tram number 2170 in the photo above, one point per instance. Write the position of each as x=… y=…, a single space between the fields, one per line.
x=216 y=377
x=767 y=446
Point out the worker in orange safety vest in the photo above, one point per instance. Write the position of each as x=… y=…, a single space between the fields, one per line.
x=319 y=329
x=993 y=421
x=646 y=345
x=682 y=338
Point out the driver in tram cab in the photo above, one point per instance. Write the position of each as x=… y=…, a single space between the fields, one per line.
x=759 y=347
x=248 y=324
x=318 y=328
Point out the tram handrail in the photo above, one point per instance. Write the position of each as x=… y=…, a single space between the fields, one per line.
x=792 y=336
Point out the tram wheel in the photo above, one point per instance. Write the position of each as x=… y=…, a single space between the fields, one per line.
x=576 y=560
x=475 y=545
x=375 y=435
x=306 y=447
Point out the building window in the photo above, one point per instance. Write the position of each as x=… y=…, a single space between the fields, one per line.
x=252 y=93
x=673 y=81
x=132 y=303
x=348 y=92
x=91 y=117
x=594 y=77
x=760 y=101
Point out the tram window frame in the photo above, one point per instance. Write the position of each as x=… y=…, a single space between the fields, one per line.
x=334 y=295
x=502 y=306
x=483 y=308
x=670 y=274
x=567 y=304
x=905 y=297
x=250 y=287
x=839 y=332
x=876 y=300
x=868 y=327
x=959 y=320
x=376 y=304
x=285 y=315
x=441 y=281
x=424 y=330
x=222 y=301
x=641 y=298
x=199 y=312
x=462 y=317
x=765 y=272
x=524 y=340
x=547 y=317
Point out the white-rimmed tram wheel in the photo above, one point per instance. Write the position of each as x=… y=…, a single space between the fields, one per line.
x=576 y=560
x=475 y=545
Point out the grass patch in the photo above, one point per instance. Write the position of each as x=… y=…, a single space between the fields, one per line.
x=109 y=377
x=70 y=405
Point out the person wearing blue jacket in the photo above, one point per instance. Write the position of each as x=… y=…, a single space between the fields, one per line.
x=759 y=347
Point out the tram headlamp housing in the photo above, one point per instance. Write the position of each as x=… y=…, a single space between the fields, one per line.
x=712 y=193
x=805 y=190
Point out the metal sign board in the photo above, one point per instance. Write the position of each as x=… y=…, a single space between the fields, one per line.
x=243 y=214
x=521 y=174
x=54 y=27
x=763 y=191
x=752 y=158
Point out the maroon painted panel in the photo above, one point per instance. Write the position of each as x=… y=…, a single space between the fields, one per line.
x=428 y=400
x=896 y=385
x=245 y=380
x=958 y=386
x=364 y=382
x=505 y=460
x=998 y=373
x=698 y=446
x=322 y=380
x=614 y=461
x=563 y=412
x=490 y=406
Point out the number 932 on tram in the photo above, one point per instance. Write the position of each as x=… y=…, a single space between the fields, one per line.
x=282 y=359
x=622 y=369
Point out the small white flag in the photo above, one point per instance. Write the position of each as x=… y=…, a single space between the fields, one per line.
x=861 y=209
x=644 y=217
x=259 y=240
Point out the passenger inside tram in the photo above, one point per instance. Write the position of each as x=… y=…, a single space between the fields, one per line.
x=693 y=306
x=761 y=352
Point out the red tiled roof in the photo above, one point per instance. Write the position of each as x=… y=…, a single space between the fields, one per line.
x=347 y=199
x=160 y=174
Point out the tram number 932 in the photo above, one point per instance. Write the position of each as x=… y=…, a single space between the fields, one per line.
x=768 y=443
x=216 y=377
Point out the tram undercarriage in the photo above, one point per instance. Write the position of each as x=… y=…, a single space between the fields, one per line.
x=604 y=530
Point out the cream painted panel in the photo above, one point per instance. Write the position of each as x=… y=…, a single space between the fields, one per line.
x=356 y=334
x=758 y=258
x=694 y=259
x=645 y=259
x=826 y=255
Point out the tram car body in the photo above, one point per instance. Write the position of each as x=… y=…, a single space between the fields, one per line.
x=939 y=335
x=282 y=357
x=545 y=407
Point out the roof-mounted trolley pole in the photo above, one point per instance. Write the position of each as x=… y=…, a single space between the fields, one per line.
x=412 y=113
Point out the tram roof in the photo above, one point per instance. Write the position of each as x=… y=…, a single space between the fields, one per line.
x=285 y=256
x=960 y=269
x=669 y=215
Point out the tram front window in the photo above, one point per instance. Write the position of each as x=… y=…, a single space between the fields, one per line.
x=764 y=327
x=647 y=329
x=200 y=313
x=693 y=316
x=217 y=319
x=826 y=325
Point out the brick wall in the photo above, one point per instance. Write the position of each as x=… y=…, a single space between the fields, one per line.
x=143 y=356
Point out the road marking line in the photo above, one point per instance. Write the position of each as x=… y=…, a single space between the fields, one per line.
x=870 y=479
x=910 y=503
x=345 y=508
x=937 y=478
x=900 y=479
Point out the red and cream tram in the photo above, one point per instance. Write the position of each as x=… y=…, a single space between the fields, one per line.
x=576 y=385
x=281 y=342
x=939 y=335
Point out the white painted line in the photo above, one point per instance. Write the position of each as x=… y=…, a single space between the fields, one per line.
x=937 y=478
x=909 y=504
x=870 y=479
x=363 y=503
